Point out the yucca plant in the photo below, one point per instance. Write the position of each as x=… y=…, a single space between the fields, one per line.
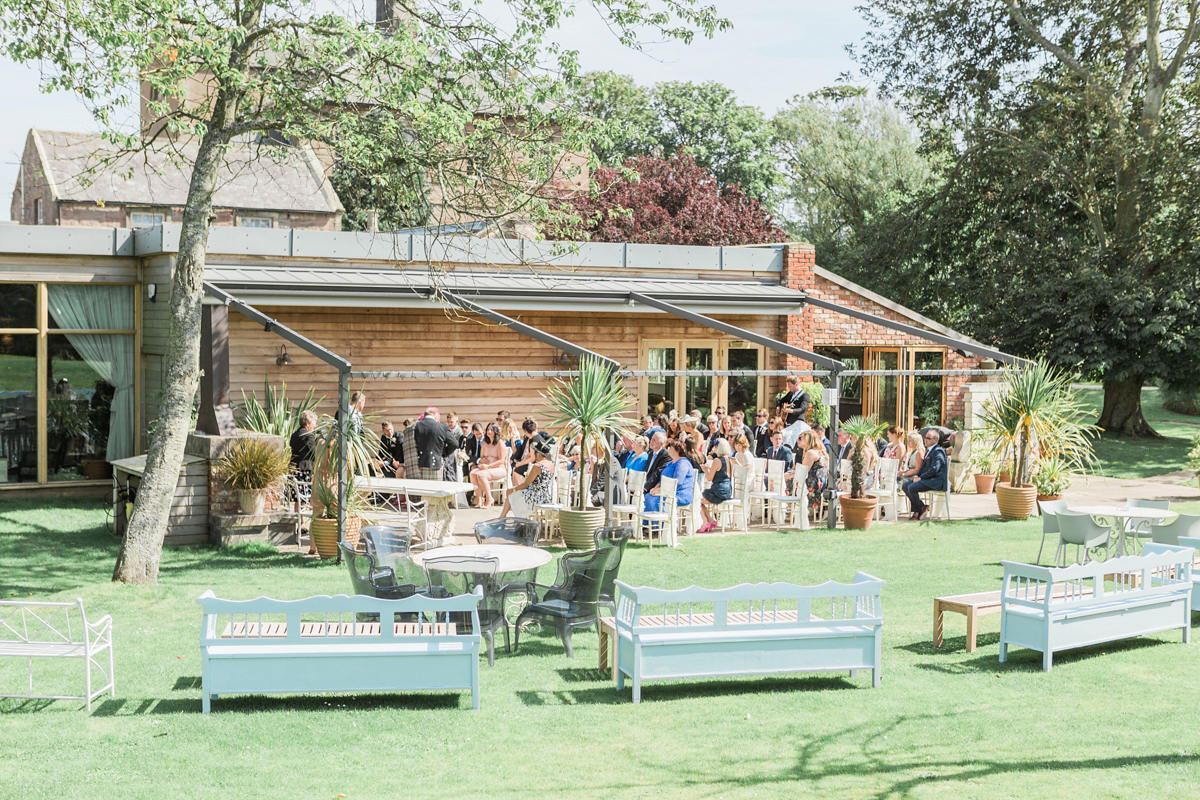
x=863 y=431
x=591 y=403
x=275 y=415
x=1053 y=476
x=1038 y=408
x=362 y=446
x=253 y=465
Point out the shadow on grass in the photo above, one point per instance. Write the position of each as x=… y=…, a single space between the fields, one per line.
x=951 y=645
x=1021 y=658
x=256 y=704
x=188 y=682
x=657 y=691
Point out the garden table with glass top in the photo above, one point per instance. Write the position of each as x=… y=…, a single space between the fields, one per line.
x=1121 y=514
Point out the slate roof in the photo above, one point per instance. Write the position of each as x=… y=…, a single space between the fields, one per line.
x=253 y=177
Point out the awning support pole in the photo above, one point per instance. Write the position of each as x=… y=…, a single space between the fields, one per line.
x=831 y=493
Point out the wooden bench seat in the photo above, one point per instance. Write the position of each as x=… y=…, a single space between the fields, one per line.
x=973 y=606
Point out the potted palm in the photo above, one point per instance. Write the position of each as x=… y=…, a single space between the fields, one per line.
x=984 y=463
x=1036 y=414
x=362 y=445
x=590 y=405
x=250 y=467
x=858 y=509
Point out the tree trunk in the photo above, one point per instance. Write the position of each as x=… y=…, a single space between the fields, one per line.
x=1122 y=413
x=142 y=548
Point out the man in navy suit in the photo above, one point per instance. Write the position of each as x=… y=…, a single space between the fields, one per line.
x=780 y=451
x=932 y=476
x=659 y=458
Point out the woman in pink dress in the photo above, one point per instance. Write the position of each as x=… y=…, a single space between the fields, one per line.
x=493 y=465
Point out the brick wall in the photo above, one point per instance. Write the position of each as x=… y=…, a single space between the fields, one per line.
x=817 y=327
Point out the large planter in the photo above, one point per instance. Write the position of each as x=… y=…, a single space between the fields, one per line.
x=858 y=514
x=1015 y=502
x=984 y=483
x=324 y=534
x=251 y=502
x=578 y=527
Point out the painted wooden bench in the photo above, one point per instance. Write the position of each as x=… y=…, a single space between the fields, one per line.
x=972 y=606
x=322 y=644
x=32 y=629
x=1185 y=541
x=1100 y=601
x=751 y=629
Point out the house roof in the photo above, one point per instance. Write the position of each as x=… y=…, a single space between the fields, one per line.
x=84 y=168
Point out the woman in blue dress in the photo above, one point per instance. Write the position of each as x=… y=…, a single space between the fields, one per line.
x=680 y=469
x=720 y=485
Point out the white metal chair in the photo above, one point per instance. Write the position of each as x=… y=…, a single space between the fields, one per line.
x=301 y=492
x=795 y=503
x=887 y=489
x=417 y=516
x=499 y=486
x=939 y=501
x=687 y=520
x=736 y=510
x=767 y=499
x=1082 y=531
x=1050 y=510
x=626 y=513
x=663 y=520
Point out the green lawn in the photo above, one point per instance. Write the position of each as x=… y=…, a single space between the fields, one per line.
x=1141 y=458
x=1111 y=721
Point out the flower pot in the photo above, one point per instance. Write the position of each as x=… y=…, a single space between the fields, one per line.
x=1015 y=502
x=324 y=534
x=858 y=514
x=1044 y=497
x=578 y=527
x=251 y=502
x=984 y=483
x=1003 y=477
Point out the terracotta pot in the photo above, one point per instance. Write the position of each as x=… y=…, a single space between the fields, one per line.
x=1003 y=477
x=251 y=502
x=324 y=534
x=578 y=527
x=1044 y=497
x=858 y=514
x=1016 y=502
x=984 y=484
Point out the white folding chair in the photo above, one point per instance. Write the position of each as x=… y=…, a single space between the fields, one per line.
x=766 y=499
x=939 y=501
x=417 y=516
x=301 y=491
x=795 y=503
x=887 y=489
x=626 y=513
x=499 y=486
x=663 y=520
x=736 y=510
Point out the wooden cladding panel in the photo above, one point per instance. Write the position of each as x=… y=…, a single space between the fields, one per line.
x=396 y=339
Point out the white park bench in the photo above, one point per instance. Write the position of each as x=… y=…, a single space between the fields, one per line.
x=323 y=644
x=1050 y=609
x=34 y=630
x=751 y=629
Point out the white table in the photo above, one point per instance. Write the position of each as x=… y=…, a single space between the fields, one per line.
x=1121 y=515
x=511 y=557
x=439 y=526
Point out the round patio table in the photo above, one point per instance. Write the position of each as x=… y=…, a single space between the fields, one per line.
x=1122 y=514
x=511 y=557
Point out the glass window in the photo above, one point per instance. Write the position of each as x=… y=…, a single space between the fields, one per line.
x=927 y=389
x=698 y=390
x=660 y=388
x=84 y=306
x=18 y=305
x=254 y=222
x=18 y=408
x=743 y=391
x=38 y=214
x=90 y=413
x=142 y=219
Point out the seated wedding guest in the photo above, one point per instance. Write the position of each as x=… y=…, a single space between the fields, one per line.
x=637 y=461
x=681 y=469
x=508 y=435
x=390 y=453
x=814 y=455
x=741 y=451
x=845 y=446
x=932 y=476
x=491 y=466
x=914 y=456
x=523 y=454
x=657 y=460
x=691 y=430
x=762 y=433
x=303 y=444
x=720 y=483
x=820 y=431
x=739 y=423
x=895 y=445
x=674 y=428
x=537 y=487
x=780 y=451
x=692 y=453
x=471 y=446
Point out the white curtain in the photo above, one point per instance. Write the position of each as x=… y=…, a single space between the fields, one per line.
x=99 y=307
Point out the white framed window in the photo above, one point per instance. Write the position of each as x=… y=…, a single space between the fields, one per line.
x=145 y=219
x=255 y=222
x=37 y=212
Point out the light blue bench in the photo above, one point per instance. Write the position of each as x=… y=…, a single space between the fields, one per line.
x=751 y=629
x=1184 y=541
x=1051 y=609
x=320 y=644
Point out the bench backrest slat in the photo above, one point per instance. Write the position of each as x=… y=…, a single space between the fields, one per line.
x=1161 y=569
x=40 y=622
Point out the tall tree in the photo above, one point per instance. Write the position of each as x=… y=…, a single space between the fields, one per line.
x=674 y=200
x=443 y=84
x=731 y=140
x=1087 y=105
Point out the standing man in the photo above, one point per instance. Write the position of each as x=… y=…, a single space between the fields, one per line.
x=425 y=445
x=657 y=462
x=845 y=446
x=930 y=478
x=762 y=433
x=793 y=405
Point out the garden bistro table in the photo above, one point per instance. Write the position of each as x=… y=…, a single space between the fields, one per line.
x=513 y=560
x=439 y=526
x=1120 y=514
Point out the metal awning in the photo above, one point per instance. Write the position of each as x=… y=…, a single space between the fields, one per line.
x=544 y=290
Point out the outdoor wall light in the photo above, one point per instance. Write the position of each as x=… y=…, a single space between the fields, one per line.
x=152 y=291
x=284 y=359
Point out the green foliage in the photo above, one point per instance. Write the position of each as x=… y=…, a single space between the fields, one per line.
x=1053 y=476
x=863 y=432
x=591 y=403
x=703 y=120
x=1037 y=408
x=1194 y=455
x=276 y=415
x=818 y=412
x=253 y=465
x=984 y=460
x=67 y=416
x=362 y=447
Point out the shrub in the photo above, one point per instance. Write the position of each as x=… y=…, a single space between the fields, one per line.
x=253 y=465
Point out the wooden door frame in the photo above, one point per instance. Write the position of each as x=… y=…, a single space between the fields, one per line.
x=871 y=383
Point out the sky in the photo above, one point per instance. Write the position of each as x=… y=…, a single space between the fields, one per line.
x=776 y=50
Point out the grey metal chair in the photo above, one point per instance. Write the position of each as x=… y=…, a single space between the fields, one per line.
x=1169 y=532
x=1142 y=527
x=450 y=576
x=1082 y=531
x=1050 y=510
x=512 y=529
x=386 y=543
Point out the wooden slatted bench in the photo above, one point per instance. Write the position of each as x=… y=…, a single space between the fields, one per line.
x=1102 y=601
x=751 y=629
x=973 y=606
x=32 y=629
x=320 y=644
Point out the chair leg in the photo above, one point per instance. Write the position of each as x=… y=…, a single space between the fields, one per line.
x=491 y=643
x=566 y=640
x=1040 y=546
